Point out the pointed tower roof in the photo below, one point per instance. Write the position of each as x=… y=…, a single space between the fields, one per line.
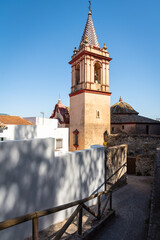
x=89 y=34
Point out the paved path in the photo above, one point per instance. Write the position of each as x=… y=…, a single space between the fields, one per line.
x=131 y=203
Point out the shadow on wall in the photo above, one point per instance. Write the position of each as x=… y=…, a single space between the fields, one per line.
x=24 y=173
x=32 y=179
x=25 y=132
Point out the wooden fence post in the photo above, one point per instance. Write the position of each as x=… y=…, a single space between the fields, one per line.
x=35 y=228
x=110 y=199
x=105 y=172
x=80 y=221
x=99 y=206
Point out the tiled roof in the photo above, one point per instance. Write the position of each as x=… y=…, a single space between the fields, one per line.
x=13 y=120
x=122 y=108
x=131 y=119
x=89 y=33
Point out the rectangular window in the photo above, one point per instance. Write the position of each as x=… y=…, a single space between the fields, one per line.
x=59 y=143
x=112 y=129
x=122 y=127
x=147 y=129
x=97 y=114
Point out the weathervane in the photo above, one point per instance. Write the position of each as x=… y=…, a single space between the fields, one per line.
x=90 y=6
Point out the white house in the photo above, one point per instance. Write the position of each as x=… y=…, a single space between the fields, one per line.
x=33 y=128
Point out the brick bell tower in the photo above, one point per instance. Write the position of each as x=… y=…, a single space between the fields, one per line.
x=90 y=96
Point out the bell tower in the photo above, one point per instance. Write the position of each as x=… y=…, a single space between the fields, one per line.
x=90 y=96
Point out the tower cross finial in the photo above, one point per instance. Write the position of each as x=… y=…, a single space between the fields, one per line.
x=90 y=6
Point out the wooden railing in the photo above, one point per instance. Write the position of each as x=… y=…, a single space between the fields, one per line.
x=78 y=211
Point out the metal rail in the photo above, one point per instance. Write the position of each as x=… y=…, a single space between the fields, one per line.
x=78 y=211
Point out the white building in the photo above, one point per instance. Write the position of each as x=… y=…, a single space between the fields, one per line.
x=37 y=128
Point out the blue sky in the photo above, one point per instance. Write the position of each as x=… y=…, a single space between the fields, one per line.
x=37 y=38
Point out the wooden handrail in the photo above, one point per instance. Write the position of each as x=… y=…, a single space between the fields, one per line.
x=35 y=215
x=38 y=214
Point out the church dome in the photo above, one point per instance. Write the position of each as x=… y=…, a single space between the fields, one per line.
x=122 y=108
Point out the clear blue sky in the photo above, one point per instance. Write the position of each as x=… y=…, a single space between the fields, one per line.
x=37 y=38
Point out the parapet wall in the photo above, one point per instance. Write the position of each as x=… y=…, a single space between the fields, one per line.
x=115 y=157
x=32 y=178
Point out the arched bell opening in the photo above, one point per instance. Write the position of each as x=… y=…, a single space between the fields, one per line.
x=97 y=72
x=77 y=74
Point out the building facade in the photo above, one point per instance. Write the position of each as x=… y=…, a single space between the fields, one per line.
x=124 y=119
x=16 y=128
x=90 y=96
x=61 y=113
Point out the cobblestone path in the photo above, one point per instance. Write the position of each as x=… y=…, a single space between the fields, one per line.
x=131 y=204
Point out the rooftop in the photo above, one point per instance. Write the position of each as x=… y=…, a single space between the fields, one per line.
x=122 y=108
x=61 y=112
x=132 y=118
x=13 y=120
x=89 y=35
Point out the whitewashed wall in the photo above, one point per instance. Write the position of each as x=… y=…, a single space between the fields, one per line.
x=43 y=121
x=22 y=132
x=32 y=178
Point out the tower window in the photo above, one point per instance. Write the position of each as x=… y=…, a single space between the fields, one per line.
x=97 y=73
x=77 y=74
x=97 y=114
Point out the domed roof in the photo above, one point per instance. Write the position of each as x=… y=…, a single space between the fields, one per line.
x=122 y=108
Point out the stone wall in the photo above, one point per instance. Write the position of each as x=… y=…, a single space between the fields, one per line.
x=154 y=223
x=115 y=157
x=135 y=128
x=145 y=164
x=143 y=147
x=137 y=144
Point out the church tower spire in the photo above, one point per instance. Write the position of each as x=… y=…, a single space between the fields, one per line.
x=89 y=33
x=90 y=96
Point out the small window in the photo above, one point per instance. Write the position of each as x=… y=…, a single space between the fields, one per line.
x=2 y=139
x=75 y=138
x=123 y=127
x=112 y=129
x=97 y=114
x=147 y=129
x=59 y=143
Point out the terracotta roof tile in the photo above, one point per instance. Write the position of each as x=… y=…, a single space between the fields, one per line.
x=14 y=120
